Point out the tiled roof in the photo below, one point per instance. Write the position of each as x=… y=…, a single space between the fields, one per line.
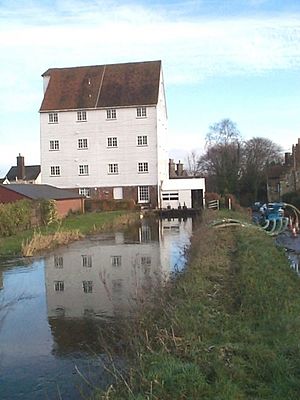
x=276 y=171
x=113 y=85
x=31 y=173
x=36 y=191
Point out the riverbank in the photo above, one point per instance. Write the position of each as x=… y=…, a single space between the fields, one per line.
x=227 y=328
x=73 y=227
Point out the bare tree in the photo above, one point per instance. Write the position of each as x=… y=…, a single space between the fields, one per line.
x=221 y=161
x=192 y=163
x=223 y=132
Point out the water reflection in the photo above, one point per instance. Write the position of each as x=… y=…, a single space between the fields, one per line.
x=55 y=310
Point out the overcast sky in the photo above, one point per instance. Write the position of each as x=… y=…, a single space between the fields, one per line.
x=237 y=59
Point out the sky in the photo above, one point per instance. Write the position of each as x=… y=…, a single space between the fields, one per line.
x=236 y=59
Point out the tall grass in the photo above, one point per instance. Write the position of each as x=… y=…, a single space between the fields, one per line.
x=81 y=225
x=228 y=328
x=40 y=242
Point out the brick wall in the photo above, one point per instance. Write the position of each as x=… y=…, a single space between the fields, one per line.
x=67 y=205
x=8 y=196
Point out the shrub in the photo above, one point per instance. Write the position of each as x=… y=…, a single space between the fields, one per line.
x=292 y=198
x=15 y=217
x=48 y=211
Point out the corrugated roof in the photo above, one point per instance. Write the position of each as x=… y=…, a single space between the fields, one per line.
x=31 y=173
x=36 y=191
x=100 y=86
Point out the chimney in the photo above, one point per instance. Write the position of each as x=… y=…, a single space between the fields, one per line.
x=287 y=159
x=172 y=172
x=179 y=169
x=20 y=168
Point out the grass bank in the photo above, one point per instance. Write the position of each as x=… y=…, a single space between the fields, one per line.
x=227 y=328
x=71 y=228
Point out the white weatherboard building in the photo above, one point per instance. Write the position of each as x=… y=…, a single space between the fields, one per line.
x=103 y=131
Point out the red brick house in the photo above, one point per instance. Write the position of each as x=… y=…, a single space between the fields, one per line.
x=66 y=200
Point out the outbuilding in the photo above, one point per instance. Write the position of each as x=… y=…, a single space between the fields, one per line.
x=66 y=200
x=186 y=192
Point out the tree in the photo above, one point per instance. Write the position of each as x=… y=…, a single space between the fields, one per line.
x=192 y=163
x=221 y=162
x=258 y=154
x=223 y=132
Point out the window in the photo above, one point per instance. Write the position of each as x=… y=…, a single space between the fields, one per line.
x=55 y=170
x=142 y=140
x=81 y=116
x=86 y=261
x=144 y=195
x=83 y=169
x=87 y=286
x=112 y=142
x=143 y=167
x=145 y=261
x=54 y=145
x=170 y=196
x=59 y=286
x=111 y=113
x=53 y=118
x=82 y=144
x=116 y=261
x=58 y=262
x=141 y=112
x=145 y=233
x=117 y=285
x=86 y=192
x=113 y=168
x=118 y=193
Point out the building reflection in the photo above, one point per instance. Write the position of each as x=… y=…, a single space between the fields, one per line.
x=1 y=279
x=103 y=278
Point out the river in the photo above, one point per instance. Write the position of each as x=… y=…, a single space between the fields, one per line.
x=55 y=310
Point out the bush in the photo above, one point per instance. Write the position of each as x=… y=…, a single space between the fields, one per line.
x=15 y=217
x=48 y=211
x=292 y=198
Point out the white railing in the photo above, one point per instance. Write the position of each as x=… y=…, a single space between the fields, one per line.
x=213 y=204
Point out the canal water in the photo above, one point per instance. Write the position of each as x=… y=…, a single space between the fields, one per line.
x=56 y=311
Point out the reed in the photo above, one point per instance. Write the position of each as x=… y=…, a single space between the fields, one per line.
x=40 y=242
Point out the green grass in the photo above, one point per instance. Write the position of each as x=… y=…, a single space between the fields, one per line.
x=228 y=328
x=86 y=224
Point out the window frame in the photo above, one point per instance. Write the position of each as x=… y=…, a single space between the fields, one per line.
x=87 y=286
x=83 y=169
x=55 y=170
x=59 y=286
x=141 y=139
x=53 y=118
x=111 y=113
x=86 y=192
x=116 y=261
x=82 y=144
x=81 y=116
x=143 y=167
x=86 y=261
x=58 y=261
x=54 y=145
x=143 y=194
x=113 y=168
x=112 y=142
x=141 y=112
